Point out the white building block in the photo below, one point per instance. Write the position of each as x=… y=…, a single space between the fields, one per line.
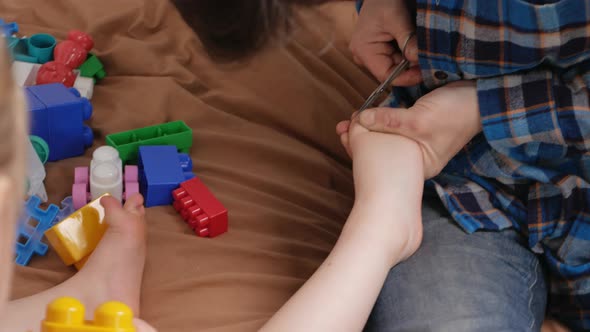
x=106 y=173
x=35 y=174
x=25 y=74
x=84 y=85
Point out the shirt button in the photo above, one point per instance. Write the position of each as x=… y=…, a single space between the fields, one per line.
x=441 y=75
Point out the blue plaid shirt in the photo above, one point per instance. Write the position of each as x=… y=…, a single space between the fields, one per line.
x=530 y=168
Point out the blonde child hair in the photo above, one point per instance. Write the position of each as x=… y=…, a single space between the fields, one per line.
x=13 y=132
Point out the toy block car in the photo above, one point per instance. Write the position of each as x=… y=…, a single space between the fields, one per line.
x=105 y=175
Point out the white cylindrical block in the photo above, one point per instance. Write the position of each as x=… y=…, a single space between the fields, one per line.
x=106 y=173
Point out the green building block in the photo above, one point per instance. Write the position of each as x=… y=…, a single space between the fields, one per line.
x=92 y=68
x=171 y=133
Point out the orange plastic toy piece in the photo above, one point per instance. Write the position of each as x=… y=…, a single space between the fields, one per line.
x=66 y=314
x=76 y=237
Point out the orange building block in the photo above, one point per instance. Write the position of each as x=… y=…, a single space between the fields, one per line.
x=76 y=237
x=66 y=314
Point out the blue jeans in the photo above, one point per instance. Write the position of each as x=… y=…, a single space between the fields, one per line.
x=486 y=281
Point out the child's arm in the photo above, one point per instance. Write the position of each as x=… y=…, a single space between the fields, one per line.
x=383 y=229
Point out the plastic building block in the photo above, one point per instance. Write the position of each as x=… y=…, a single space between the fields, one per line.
x=105 y=176
x=200 y=209
x=93 y=68
x=25 y=73
x=36 y=49
x=67 y=208
x=84 y=85
x=19 y=49
x=76 y=237
x=66 y=314
x=171 y=133
x=69 y=55
x=161 y=170
x=41 y=147
x=35 y=174
x=8 y=29
x=82 y=38
x=33 y=223
x=57 y=115
x=11 y=43
x=56 y=72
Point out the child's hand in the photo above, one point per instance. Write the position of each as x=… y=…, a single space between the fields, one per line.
x=442 y=122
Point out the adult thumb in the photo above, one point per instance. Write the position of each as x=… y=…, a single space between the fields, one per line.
x=387 y=120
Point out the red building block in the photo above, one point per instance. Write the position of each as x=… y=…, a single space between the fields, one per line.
x=200 y=209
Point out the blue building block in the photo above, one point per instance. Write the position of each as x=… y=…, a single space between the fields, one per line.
x=57 y=115
x=31 y=228
x=8 y=29
x=161 y=170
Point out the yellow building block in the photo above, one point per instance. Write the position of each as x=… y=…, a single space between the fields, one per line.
x=66 y=314
x=75 y=237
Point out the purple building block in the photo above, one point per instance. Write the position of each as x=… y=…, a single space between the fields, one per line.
x=31 y=228
x=67 y=208
x=161 y=170
x=57 y=115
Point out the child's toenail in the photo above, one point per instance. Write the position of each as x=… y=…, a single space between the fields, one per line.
x=368 y=118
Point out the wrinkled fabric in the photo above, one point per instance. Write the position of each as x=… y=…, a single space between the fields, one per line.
x=264 y=144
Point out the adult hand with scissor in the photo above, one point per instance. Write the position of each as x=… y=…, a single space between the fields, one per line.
x=383 y=24
x=438 y=122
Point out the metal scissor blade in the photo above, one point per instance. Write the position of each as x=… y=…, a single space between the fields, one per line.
x=399 y=69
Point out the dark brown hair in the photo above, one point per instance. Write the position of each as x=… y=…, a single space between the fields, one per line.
x=234 y=29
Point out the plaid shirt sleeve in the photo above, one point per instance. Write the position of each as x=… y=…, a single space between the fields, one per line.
x=530 y=169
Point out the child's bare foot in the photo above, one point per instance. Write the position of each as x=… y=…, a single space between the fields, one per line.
x=114 y=270
x=386 y=166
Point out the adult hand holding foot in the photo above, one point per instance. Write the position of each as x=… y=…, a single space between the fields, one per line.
x=442 y=123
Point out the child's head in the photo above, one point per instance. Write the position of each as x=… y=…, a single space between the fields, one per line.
x=233 y=29
x=12 y=167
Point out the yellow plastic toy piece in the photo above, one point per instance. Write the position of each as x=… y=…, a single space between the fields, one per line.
x=75 y=237
x=66 y=314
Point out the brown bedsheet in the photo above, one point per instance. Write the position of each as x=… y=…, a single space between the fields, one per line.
x=264 y=143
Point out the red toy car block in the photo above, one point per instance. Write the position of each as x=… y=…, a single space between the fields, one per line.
x=200 y=209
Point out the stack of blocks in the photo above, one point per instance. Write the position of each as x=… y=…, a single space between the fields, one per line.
x=57 y=115
x=175 y=133
x=104 y=176
x=161 y=170
x=25 y=74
